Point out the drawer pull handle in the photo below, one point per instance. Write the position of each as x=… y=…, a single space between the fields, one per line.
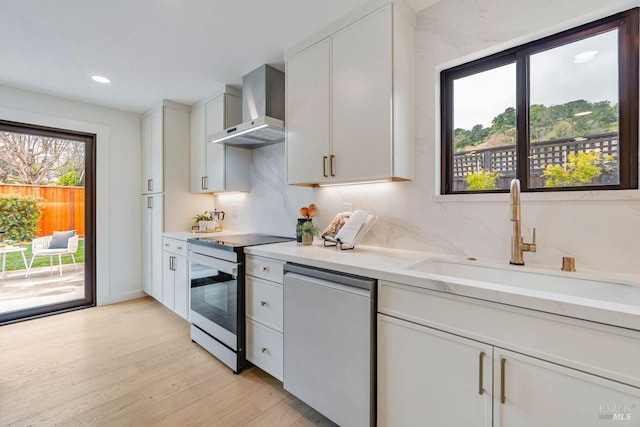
x=265 y=268
x=179 y=248
x=503 y=394
x=480 y=375
x=263 y=349
x=263 y=303
x=166 y=245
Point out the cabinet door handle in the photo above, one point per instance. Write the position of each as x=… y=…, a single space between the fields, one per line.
x=331 y=164
x=179 y=248
x=170 y=263
x=263 y=303
x=204 y=182
x=149 y=185
x=324 y=166
x=263 y=349
x=503 y=396
x=480 y=375
x=150 y=202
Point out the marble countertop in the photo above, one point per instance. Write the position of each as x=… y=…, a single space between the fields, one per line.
x=184 y=235
x=394 y=265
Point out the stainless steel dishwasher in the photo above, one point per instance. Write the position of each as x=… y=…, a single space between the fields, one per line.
x=329 y=343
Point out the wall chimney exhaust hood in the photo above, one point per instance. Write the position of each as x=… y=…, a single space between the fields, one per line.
x=262 y=111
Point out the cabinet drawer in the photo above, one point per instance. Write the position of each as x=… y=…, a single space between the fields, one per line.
x=264 y=302
x=265 y=268
x=176 y=246
x=264 y=348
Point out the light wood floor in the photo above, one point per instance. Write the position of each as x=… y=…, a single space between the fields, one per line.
x=131 y=364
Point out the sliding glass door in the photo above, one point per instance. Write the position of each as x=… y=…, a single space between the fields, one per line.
x=47 y=221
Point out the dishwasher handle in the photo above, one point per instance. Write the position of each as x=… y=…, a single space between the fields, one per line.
x=332 y=276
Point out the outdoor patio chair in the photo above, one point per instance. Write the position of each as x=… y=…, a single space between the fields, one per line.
x=40 y=248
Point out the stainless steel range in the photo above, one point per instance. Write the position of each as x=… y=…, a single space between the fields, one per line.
x=216 y=272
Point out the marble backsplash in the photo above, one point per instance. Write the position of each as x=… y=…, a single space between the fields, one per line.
x=602 y=231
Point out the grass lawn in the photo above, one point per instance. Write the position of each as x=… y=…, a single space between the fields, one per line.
x=14 y=259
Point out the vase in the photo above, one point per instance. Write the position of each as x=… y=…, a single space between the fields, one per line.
x=307 y=239
x=298 y=235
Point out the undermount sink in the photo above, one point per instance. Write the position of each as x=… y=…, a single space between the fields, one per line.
x=535 y=279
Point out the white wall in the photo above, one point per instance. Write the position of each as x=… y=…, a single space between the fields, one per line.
x=602 y=230
x=118 y=176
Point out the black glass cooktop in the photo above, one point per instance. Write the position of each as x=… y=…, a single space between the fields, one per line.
x=240 y=240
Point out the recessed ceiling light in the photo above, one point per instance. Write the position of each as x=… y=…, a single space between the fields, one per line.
x=584 y=56
x=100 y=79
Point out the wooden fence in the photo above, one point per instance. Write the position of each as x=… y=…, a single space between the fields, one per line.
x=503 y=159
x=62 y=210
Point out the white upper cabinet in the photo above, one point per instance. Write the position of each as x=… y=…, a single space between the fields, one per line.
x=362 y=94
x=152 y=140
x=350 y=99
x=307 y=121
x=197 y=146
x=216 y=167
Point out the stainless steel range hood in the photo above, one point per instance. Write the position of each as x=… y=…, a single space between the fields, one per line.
x=262 y=111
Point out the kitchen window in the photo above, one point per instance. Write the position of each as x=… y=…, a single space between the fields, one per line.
x=560 y=113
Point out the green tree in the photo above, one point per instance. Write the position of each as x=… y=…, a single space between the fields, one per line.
x=69 y=179
x=504 y=121
x=546 y=123
x=465 y=138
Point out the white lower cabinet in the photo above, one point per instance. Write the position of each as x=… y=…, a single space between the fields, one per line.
x=451 y=361
x=175 y=291
x=152 y=223
x=427 y=377
x=264 y=314
x=531 y=392
x=264 y=348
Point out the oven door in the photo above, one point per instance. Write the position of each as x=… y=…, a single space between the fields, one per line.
x=214 y=298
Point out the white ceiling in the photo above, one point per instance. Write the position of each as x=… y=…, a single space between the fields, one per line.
x=182 y=50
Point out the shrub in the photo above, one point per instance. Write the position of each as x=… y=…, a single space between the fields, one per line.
x=19 y=216
x=70 y=179
x=482 y=180
x=582 y=168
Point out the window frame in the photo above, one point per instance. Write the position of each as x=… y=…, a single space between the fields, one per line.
x=627 y=23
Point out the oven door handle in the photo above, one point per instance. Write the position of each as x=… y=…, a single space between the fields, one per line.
x=220 y=265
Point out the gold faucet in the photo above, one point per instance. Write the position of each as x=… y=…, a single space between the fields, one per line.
x=518 y=246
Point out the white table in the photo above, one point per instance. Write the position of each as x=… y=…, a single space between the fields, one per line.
x=8 y=249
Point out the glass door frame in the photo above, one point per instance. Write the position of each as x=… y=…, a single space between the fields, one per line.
x=89 y=299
